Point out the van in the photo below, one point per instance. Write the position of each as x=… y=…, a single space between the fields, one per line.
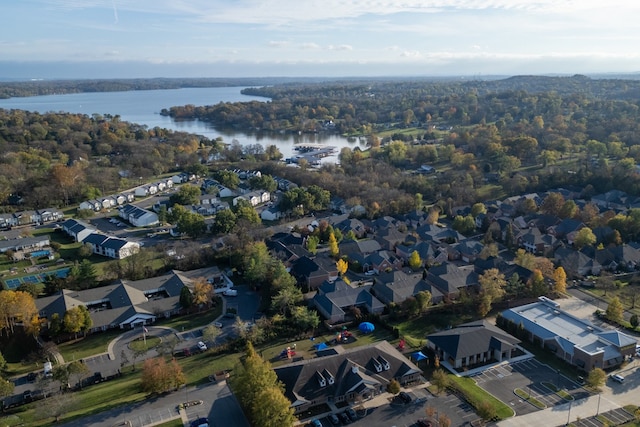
x=48 y=369
x=617 y=378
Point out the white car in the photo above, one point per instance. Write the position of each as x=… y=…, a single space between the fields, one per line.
x=202 y=346
x=617 y=378
x=217 y=324
x=230 y=293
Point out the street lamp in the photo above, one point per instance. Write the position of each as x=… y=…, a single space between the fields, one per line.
x=558 y=378
x=569 y=414
x=598 y=408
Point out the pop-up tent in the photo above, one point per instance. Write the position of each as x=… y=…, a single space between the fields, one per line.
x=418 y=356
x=320 y=346
x=366 y=327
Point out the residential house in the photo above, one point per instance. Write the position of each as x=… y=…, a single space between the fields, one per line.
x=77 y=229
x=49 y=215
x=312 y=272
x=424 y=249
x=272 y=213
x=254 y=198
x=451 y=279
x=533 y=241
x=335 y=301
x=397 y=286
x=377 y=261
x=112 y=247
x=91 y=205
x=577 y=263
x=346 y=376
x=574 y=340
x=138 y=217
x=467 y=250
x=472 y=345
x=24 y=244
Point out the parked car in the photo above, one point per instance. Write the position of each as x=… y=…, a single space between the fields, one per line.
x=230 y=293
x=344 y=418
x=217 y=324
x=202 y=346
x=334 y=419
x=423 y=423
x=405 y=397
x=352 y=414
x=200 y=422
x=580 y=380
x=617 y=378
x=316 y=423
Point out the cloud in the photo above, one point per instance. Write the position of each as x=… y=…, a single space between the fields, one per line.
x=341 y=47
x=278 y=43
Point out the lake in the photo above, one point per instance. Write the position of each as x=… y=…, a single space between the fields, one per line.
x=143 y=107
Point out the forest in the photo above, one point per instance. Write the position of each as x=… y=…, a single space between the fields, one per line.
x=485 y=139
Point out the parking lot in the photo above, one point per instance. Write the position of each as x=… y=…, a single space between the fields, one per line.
x=401 y=414
x=529 y=376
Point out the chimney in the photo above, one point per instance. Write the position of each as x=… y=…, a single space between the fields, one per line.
x=321 y=380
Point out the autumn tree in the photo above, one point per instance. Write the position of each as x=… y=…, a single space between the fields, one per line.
x=77 y=371
x=560 y=280
x=584 y=237
x=415 y=262
x=77 y=319
x=18 y=307
x=440 y=379
x=334 y=251
x=615 y=310
x=202 y=293
x=6 y=387
x=342 y=266
x=56 y=405
x=394 y=386
x=312 y=244
x=159 y=377
x=596 y=378
x=423 y=299
x=492 y=284
x=537 y=285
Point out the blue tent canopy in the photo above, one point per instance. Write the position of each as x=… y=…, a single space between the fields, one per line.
x=320 y=346
x=418 y=356
x=366 y=327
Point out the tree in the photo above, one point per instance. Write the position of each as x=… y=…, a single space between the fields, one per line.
x=444 y=420
x=584 y=237
x=6 y=387
x=423 y=298
x=560 y=280
x=487 y=411
x=304 y=318
x=56 y=405
x=537 y=285
x=225 y=221
x=210 y=333
x=18 y=307
x=186 y=298
x=202 y=292
x=87 y=274
x=77 y=319
x=77 y=371
x=85 y=251
x=477 y=209
x=492 y=284
x=312 y=244
x=615 y=310
x=159 y=377
x=393 y=387
x=286 y=299
x=186 y=195
x=633 y=321
x=415 y=262
x=30 y=288
x=342 y=266
x=596 y=378
x=253 y=377
x=440 y=379
x=334 y=251
x=3 y=363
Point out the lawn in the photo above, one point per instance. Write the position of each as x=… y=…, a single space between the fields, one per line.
x=90 y=345
x=415 y=331
x=192 y=321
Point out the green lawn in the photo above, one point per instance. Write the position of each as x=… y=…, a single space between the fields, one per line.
x=88 y=346
x=475 y=396
x=527 y=397
x=191 y=321
x=140 y=344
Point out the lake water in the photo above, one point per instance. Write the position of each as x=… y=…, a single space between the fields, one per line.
x=143 y=107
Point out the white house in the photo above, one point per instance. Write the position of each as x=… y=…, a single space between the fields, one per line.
x=272 y=213
x=255 y=198
x=138 y=217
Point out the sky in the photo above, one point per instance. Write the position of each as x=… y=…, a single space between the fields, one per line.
x=319 y=38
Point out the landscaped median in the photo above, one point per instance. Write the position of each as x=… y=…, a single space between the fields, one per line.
x=528 y=398
x=487 y=406
x=562 y=393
